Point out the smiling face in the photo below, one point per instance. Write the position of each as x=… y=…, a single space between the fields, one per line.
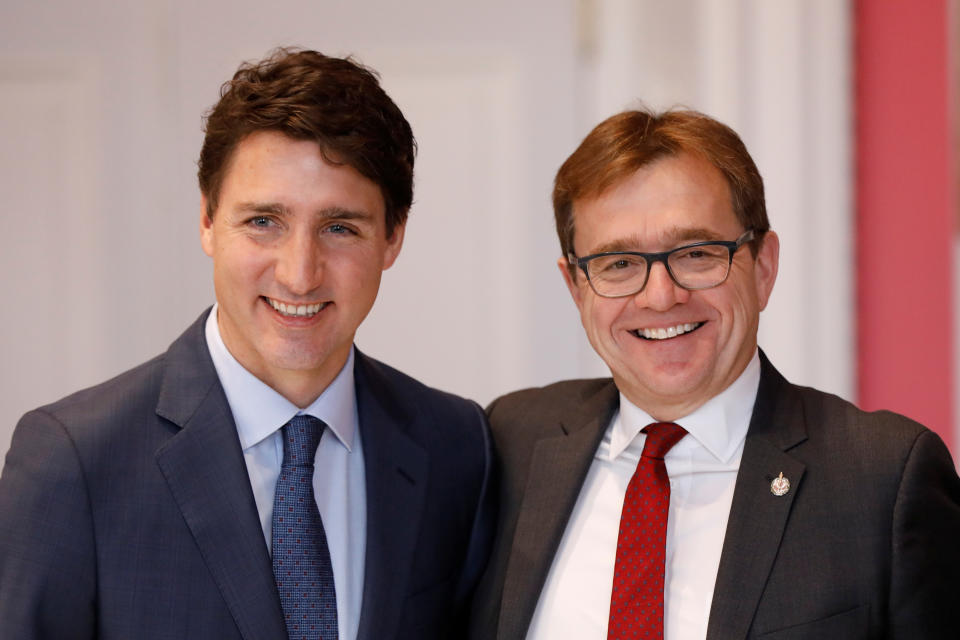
x=670 y=350
x=298 y=247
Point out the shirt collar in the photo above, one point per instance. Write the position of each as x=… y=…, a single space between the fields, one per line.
x=720 y=424
x=258 y=410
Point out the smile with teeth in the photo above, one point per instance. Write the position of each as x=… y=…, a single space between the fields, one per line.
x=296 y=310
x=663 y=333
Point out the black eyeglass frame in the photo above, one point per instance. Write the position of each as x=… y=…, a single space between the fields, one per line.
x=662 y=256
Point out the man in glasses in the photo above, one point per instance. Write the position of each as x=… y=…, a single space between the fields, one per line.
x=698 y=494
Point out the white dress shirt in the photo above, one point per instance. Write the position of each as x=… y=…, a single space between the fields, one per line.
x=575 y=601
x=338 y=477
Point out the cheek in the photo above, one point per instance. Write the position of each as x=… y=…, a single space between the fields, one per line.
x=600 y=315
x=356 y=279
x=362 y=269
x=589 y=312
x=240 y=270
x=738 y=314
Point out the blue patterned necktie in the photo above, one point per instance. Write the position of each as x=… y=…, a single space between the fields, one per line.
x=301 y=559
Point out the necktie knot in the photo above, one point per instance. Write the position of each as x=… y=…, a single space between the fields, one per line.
x=661 y=436
x=301 y=437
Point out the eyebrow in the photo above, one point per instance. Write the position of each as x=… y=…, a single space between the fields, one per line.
x=675 y=237
x=341 y=213
x=327 y=213
x=262 y=207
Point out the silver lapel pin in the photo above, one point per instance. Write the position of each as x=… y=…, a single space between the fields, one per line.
x=780 y=486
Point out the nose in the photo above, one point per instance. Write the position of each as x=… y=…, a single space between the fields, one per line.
x=299 y=264
x=661 y=292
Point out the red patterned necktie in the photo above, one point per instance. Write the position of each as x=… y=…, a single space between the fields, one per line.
x=636 y=606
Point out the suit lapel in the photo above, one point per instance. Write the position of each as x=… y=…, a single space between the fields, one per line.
x=558 y=467
x=396 y=478
x=204 y=468
x=757 y=516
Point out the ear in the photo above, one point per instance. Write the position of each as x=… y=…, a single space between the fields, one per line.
x=206 y=228
x=570 y=279
x=394 y=244
x=765 y=267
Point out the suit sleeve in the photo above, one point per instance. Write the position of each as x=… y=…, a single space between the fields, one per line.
x=926 y=545
x=47 y=561
x=485 y=520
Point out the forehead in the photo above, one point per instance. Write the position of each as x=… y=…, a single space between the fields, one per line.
x=673 y=200
x=269 y=168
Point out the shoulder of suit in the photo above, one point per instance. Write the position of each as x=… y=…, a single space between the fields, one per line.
x=831 y=417
x=120 y=401
x=415 y=392
x=124 y=388
x=556 y=398
x=133 y=394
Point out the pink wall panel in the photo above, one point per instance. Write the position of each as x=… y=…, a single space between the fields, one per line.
x=905 y=210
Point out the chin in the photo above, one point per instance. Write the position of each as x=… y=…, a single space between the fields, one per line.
x=674 y=381
x=299 y=361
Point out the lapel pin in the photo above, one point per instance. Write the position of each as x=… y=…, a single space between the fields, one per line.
x=780 y=486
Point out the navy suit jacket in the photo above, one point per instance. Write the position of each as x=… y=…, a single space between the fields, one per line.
x=864 y=545
x=126 y=510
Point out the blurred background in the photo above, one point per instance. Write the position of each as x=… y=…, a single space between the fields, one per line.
x=847 y=107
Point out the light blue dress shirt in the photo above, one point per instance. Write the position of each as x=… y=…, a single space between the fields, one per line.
x=338 y=478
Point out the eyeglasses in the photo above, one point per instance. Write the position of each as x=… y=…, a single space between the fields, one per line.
x=700 y=265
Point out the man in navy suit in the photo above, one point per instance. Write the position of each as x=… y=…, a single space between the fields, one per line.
x=144 y=507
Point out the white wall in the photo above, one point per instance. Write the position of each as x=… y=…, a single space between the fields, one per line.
x=100 y=107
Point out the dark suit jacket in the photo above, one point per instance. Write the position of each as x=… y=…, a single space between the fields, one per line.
x=126 y=510
x=866 y=544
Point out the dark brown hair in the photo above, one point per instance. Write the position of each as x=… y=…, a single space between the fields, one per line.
x=622 y=144
x=335 y=102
